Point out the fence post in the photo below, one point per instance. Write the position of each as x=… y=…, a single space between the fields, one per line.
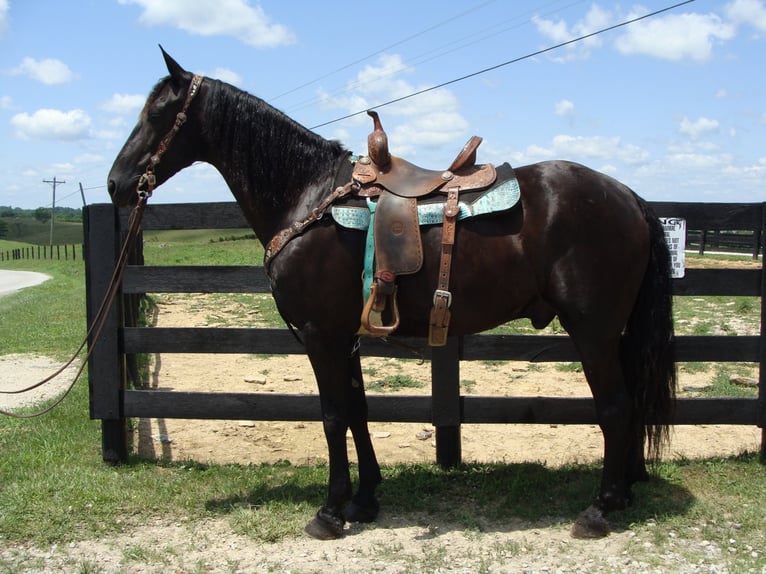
x=445 y=402
x=762 y=350
x=106 y=367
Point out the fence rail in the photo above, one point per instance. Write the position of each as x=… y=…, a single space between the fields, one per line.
x=446 y=409
x=58 y=252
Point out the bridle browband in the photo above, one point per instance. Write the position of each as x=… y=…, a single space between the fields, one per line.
x=148 y=178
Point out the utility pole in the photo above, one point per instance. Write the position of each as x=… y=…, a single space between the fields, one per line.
x=53 y=183
x=82 y=194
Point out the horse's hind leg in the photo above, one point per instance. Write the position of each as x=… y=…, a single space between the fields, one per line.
x=614 y=410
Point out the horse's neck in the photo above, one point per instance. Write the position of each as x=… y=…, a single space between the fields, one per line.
x=278 y=171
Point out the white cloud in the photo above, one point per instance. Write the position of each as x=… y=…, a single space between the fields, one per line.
x=123 y=104
x=428 y=120
x=226 y=75
x=598 y=147
x=559 y=32
x=49 y=71
x=675 y=37
x=3 y=15
x=751 y=12
x=585 y=149
x=428 y=130
x=50 y=124
x=235 y=18
x=698 y=127
x=564 y=108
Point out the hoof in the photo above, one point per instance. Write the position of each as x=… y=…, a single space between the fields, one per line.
x=325 y=526
x=358 y=513
x=590 y=524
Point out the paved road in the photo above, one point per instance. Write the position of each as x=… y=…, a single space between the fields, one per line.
x=11 y=281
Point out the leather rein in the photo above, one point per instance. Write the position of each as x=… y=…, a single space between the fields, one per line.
x=144 y=189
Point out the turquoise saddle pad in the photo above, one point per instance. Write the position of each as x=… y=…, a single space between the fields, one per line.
x=502 y=197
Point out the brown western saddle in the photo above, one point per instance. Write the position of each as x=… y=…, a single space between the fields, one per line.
x=393 y=187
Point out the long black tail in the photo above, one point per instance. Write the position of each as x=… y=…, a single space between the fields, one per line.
x=648 y=348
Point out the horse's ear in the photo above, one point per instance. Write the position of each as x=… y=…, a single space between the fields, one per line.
x=176 y=71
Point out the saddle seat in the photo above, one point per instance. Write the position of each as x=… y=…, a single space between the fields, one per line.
x=392 y=187
x=406 y=179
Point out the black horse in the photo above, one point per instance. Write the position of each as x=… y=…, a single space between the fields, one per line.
x=579 y=245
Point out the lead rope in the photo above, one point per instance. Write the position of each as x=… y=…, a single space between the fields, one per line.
x=134 y=228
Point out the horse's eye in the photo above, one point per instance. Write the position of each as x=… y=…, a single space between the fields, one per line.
x=154 y=114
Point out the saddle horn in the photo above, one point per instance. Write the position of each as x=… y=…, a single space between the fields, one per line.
x=377 y=143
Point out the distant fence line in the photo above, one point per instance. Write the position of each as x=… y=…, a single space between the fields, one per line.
x=65 y=252
x=726 y=241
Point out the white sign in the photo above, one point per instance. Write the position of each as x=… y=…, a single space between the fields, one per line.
x=675 y=236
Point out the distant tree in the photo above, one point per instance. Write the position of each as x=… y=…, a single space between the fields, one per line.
x=3 y=229
x=42 y=214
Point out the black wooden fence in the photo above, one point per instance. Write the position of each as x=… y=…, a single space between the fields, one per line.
x=446 y=409
x=58 y=252
x=724 y=240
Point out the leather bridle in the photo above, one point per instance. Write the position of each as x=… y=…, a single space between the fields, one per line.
x=148 y=178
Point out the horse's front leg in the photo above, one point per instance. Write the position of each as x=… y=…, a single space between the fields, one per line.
x=329 y=356
x=364 y=506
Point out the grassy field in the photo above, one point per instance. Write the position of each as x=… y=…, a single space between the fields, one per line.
x=30 y=230
x=55 y=489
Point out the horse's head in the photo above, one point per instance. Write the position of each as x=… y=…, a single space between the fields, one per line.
x=148 y=157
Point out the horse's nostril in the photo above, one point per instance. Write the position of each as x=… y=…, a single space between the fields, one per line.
x=111 y=186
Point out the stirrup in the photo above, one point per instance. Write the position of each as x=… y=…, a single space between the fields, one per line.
x=372 y=319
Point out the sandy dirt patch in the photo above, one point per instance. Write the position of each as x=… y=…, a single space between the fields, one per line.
x=24 y=370
x=300 y=443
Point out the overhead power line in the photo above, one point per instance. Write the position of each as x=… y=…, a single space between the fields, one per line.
x=509 y=62
x=453 y=43
x=381 y=50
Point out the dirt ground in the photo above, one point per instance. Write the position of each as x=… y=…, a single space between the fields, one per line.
x=300 y=443
x=252 y=441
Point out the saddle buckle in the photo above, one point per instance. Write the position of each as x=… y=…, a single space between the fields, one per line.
x=441 y=293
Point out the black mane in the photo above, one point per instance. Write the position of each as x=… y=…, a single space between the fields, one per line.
x=280 y=154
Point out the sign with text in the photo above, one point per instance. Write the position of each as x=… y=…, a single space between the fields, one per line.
x=675 y=236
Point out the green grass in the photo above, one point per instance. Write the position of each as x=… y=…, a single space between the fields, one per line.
x=721 y=385
x=200 y=247
x=394 y=383
x=49 y=318
x=29 y=230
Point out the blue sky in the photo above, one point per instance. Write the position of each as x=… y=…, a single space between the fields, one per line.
x=673 y=105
